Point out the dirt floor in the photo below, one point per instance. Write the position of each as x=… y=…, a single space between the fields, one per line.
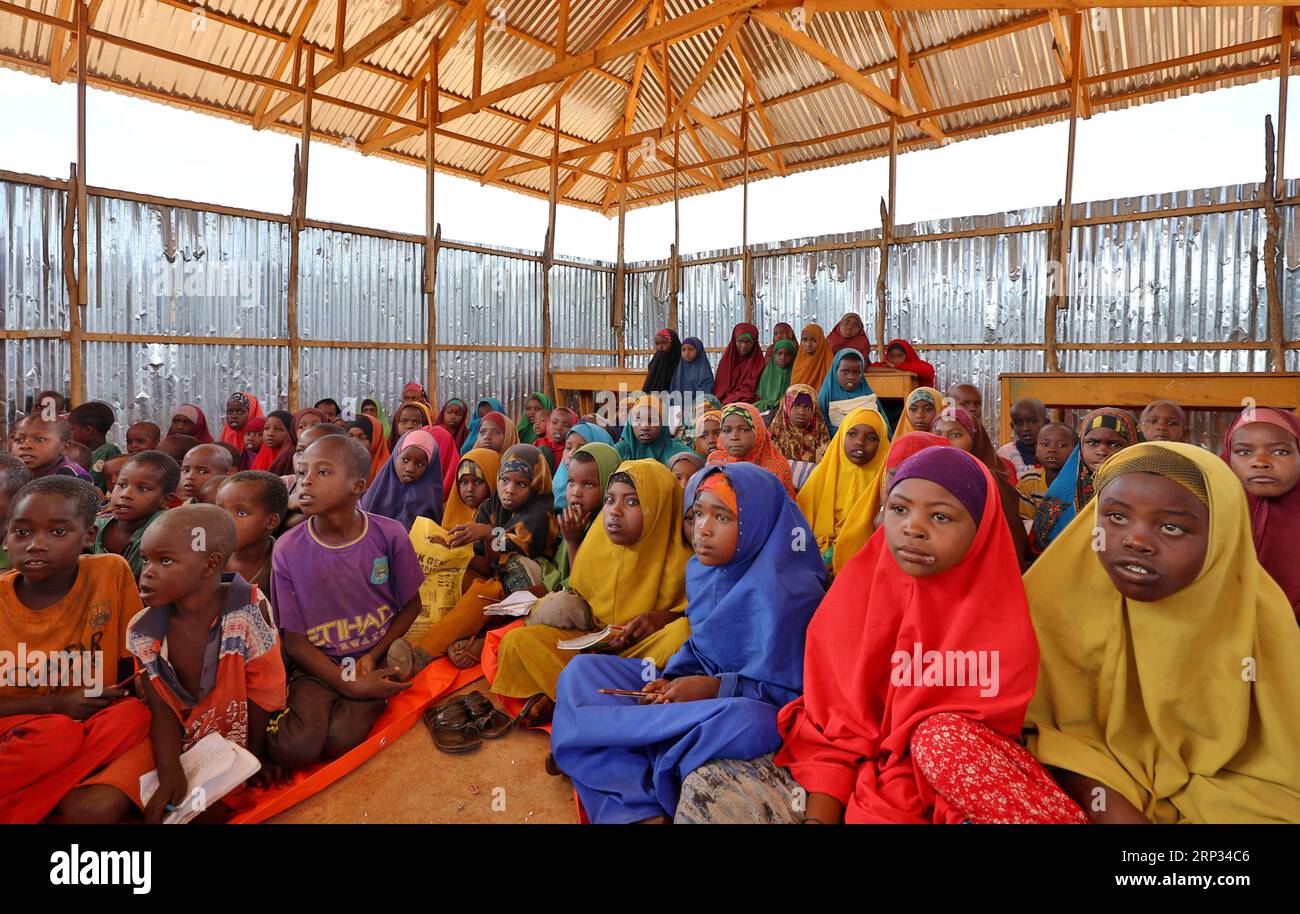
x=412 y=782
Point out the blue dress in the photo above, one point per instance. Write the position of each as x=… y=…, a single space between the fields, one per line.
x=748 y=619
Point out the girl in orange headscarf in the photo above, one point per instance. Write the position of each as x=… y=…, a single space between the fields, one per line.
x=369 y=432
x=738 y=419
x=814 y=358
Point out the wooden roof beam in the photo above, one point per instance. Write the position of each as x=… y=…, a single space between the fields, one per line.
x=751 y=86
x=615 y=29
x=1065 y=57
x=603 y=52
x=62 y=66
x=720 y=46
x=911 y=72
x=777 y=25
x=446 y=42
x=407 y=17
x=289 y=52
x=59 y=43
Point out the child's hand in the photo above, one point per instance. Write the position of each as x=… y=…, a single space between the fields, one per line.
x=643 y=626
x=573 y=524
x=173 y=790
x=270 y=777
x=365 y=664
x=692 y=688
x=464 y=534
x=654 y=692
x=375 y=684
x=75 y=703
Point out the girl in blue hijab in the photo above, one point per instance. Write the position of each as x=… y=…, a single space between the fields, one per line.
x=471 y=436
x=590 y=434
x=694 y=376
x=834 y=391
x=750 y=596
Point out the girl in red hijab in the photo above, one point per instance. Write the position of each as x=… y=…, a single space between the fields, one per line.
x=454 y=417
x=240 y=409
x=1263 y=448
x=448 y=455
x=900 y=356
x=850 y=333
x=741 y=367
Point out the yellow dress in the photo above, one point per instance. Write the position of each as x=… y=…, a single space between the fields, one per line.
x=1186 y=706
x=619 y=583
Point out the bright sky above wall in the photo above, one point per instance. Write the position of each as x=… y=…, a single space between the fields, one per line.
x=1203 y=140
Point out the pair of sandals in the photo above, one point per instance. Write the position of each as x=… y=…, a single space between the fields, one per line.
x=461 y=725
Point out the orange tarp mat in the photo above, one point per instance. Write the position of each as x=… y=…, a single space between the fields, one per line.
x=438 y=679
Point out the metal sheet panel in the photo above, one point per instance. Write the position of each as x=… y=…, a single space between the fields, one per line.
x=33 y=295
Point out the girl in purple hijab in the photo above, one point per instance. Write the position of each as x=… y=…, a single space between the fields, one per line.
x=410 y=483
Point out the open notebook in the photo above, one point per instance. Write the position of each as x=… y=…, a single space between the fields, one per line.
x=519 y=603
x=582 y=642
x=214 y=766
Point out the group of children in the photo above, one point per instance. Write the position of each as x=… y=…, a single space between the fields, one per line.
x=805 y=605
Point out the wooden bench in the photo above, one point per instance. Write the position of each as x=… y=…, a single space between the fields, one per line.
x=1191 y=391
x=586 y=382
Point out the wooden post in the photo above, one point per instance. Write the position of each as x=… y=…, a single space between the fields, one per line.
x=76 y=313
x=301 y=157
x=1284 y=77
x=620 y=271
x=674 y=282
x=1273 y=250
x=674 y=303
x=747 y=284
x=548 y=257
x=432 y=231
x=887 y=209
x=1058 y=301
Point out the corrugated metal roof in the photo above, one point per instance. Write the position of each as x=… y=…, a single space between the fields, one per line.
x=1015 y=76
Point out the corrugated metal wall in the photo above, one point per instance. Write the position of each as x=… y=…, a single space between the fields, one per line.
x=162 y=272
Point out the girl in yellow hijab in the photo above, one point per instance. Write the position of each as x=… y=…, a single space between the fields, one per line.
x=1148 y=704
x=640 y=585
x=920 y=408
x=849 y=471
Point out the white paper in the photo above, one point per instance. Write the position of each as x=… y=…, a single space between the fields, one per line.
x=582 y=642
x=519 y=603
x=214 y=766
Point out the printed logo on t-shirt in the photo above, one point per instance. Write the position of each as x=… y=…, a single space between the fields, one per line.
x=379 y=571
x=100 y=614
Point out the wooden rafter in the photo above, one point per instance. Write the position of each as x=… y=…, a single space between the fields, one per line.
x=1065 y=58
x=827 y=58
x=553 y=99
x=60 y=68
x=376 y=139
x=683 y=102
x=59 y=43
x=603 y=52
x=751 y=88
x=915 y=80
x=379 y=36
x=287 y=53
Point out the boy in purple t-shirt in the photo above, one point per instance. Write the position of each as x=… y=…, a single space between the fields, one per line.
x=345 y=586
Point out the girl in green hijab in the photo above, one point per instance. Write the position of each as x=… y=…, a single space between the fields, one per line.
x=537 y=402
x=776 y=376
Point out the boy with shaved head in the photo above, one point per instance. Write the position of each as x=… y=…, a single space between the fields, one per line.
x=345 y=585
x=212 y=663
x=201 y=464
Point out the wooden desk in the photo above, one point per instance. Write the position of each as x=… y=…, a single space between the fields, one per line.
x=585 y=382
x=1192 y=390
x=890 y=384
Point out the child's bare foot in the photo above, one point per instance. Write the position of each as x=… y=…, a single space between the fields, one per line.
x=466 y=652
x=407 y=659
x=537 y=711
x=654 y=820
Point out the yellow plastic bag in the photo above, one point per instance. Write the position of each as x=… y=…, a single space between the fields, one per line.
x=444 y=569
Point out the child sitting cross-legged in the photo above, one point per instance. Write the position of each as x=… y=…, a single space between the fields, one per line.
x=58 y=726
x=345 y=585
x=140 y=496
x=212 y=664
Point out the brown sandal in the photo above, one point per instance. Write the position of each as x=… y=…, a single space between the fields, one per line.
x=452 y=727
x=491 y=722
